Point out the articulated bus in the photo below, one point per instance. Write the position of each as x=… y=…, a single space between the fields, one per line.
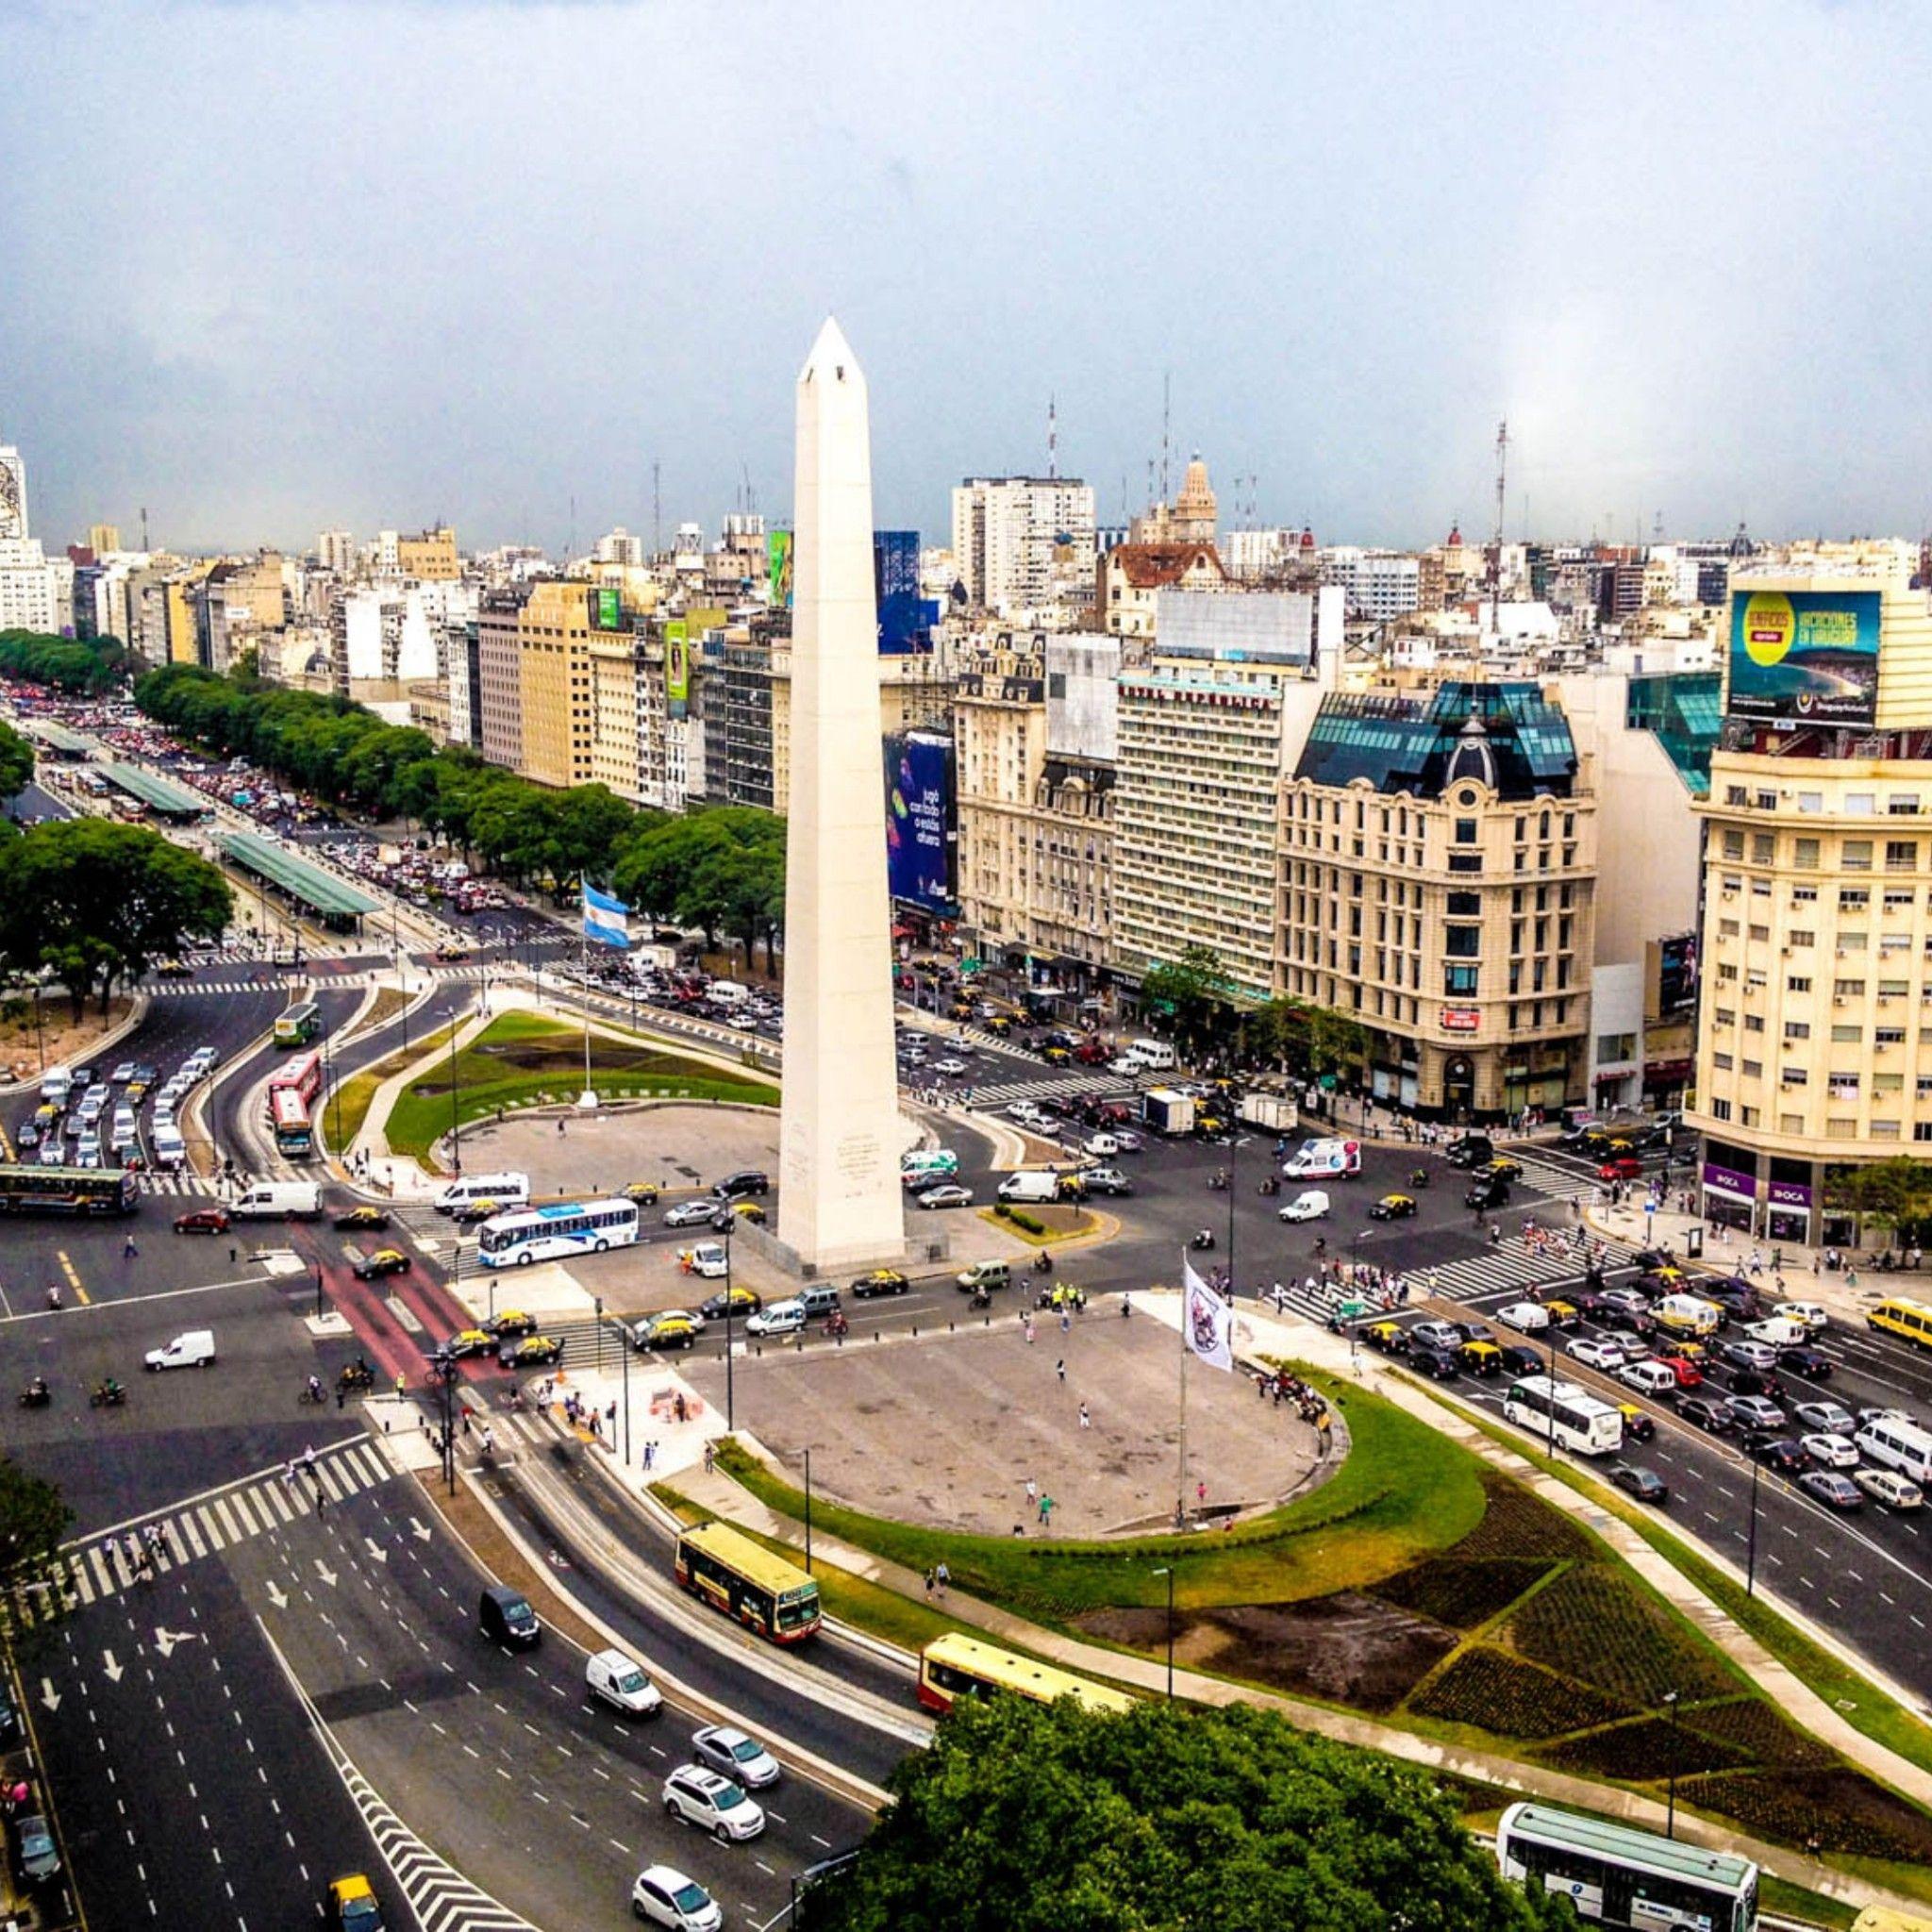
x=555 y=1233
x=955 y=1666
x=743 y=1579
x=299 y=1025
x=1616 y=1875
x=67 y=1189
x=1563 y=1413
x=302 y=1075
x=293 y=1131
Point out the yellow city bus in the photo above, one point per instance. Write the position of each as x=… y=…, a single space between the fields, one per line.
x=1908 y=1320
x=746 y=1580
x=955 y=1666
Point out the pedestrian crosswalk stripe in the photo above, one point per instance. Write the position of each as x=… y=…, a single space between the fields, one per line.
x=250 y=1528
x=190 y=1534
x=227 y=1516
x=100 y=1574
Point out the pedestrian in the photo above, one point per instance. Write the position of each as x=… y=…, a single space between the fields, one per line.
x=401 y=1384
x=489 y=1439
x=1324 y=1423
x=341 y=1395
x=929 y=1582
x=1028 y=1322
x=650 y=1453
x=710 y=1458
x=942 y=1576
x=1201 y=1495
x=559 y=1123
x=128 y=1249
x=1032 y=1493
x=1086 y=1419
x=1066 y=1322
x=1046 y=1509
x=1060 y=1368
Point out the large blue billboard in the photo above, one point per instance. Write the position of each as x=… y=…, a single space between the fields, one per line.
x=903 y=619
x=1805 y=654
x=919 y=821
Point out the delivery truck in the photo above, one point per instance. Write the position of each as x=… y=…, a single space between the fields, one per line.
x=1274 y=1112
x=1339 y=1159
x=1166 y=1111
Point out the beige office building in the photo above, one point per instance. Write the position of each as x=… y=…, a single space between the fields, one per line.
x=1814 y=1046
x=432 y=557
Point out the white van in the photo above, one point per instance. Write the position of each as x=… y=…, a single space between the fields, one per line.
x=169 y=1150
x=1648 y=1378
x=194 y=1350
x=922 y=1166
x=1687 y=1314
x=1154 y=1054
x=1526 y=1318
x=1030 y=1184
x=620 y=1681
x=56 y=1083
x=1903 y=1446
x=1779 y=1332
x=727 y=992
x=1315 y=1158
x=295 y=1198
x=507 y=1189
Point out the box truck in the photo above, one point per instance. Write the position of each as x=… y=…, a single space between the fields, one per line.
x=1167 y=1111
x=1314 y=1158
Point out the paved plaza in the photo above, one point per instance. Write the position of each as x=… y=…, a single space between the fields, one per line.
x=948 y=1429
x=678 y=1146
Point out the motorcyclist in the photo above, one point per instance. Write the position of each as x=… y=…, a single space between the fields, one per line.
x=1205 y=1237
x=37 y=1390
x=315 y=1388
x=54 y=1295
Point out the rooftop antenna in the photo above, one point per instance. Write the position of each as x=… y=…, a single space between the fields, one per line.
x=1502 y=472
x=144 y=527
x=1166 y=415
x=750 y=496
x=569 y=547
x=1052 y=441
x=1151 y=499
x=657 y=510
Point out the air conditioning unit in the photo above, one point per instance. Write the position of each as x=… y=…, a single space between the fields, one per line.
x=1838 y=999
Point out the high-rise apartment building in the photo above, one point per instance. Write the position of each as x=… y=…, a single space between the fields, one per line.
x=429 y=556
x=335 y=550
x=104 y=539
x=1021 y=543
x=1378 y=583
x=31 y=586
x=498 y=696
x=1815 y=1041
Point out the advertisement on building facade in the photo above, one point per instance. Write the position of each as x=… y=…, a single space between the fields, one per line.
x=606 y=609
x=778 y=568
x=1809 y=655
x=919 y=821
x=905 y=618
x=1676 y=973
x=677 y=667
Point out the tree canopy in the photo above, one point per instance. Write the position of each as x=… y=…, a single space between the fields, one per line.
x=33 y=1519
x=1028 y=1818
x=95 y=903
x=721 y=868
x=1193 y=990
x=16 y=762
x=82 y=668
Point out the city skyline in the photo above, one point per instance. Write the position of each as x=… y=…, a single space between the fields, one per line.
x=572 y=248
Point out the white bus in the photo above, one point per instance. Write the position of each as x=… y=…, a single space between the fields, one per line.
x=1562 y=1411
x=1617 y=1876
x=557 y=1233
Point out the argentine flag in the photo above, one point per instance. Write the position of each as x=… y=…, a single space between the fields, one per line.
x=607 y=921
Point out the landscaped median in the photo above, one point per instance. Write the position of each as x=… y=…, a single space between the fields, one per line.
x=523 y=1059
x=1426 y=1590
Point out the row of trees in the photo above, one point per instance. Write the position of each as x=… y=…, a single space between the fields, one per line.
x=82 y=668
x=1891 y=1196
x=720 y=869
x=1031 y=1818
x=1208 y=1023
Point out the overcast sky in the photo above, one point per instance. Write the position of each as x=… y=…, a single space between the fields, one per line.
x=269 y=267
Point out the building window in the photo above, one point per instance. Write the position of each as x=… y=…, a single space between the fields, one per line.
x=1900 y=855
x=1801 y=937
x=1722 y=1062
x=1902 y=805
x=1794 y=1076
x=1806 y=853
x=1463 y=941
x=1459 y=979
x=1797 y=1029
x=1465 y=905
x=1720 y=1110
x=1465 y=831
x=1846 y=1035
x=1734 y=845
x=1616 y=1046
x=1857 y=854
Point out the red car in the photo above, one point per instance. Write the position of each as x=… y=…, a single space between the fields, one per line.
x=1627 y=1167
x=1688 y=1373
x=201 y=1220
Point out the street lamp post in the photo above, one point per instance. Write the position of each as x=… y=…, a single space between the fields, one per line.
x=1671 y=1810
x=1168 y=1572
x=1751 y=1537
x=446 y=1369
x=456 y=1125
x=730 y=1353
x=808 y=1512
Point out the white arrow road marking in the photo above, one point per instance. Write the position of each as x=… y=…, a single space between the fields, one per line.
x=112 y=1669
x=328 y=1576
x=375 y=1549
x=49 y=1696
x=420 y=1533
x=168 y=1641
x=276 y=1598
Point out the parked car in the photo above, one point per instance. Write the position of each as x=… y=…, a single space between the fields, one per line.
x=1644 y=1484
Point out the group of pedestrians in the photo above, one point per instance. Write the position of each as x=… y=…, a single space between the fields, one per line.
x=142 y=1552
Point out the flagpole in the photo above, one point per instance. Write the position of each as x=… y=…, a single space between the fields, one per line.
x=590 y=1099
x=1180 y=1506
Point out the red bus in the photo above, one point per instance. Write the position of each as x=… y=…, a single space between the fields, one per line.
x=302 y=1076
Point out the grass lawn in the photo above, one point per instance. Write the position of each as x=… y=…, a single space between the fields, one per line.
x=1862 y=1706
x=1082 y=1224
x=1400 y=1495
x=353 y=1097
x=524 y=1059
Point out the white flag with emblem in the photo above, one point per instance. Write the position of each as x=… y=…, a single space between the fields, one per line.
x=1206 y=1320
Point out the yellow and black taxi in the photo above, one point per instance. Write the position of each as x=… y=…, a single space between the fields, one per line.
x=739 y=1303
x=1480 y=1357
x=1057 y=1056
x=673 y=1328
x=530 y=1352
x=510 y=1323
x=643 y=1193
x=1562 y=1314
x=1387 y=1338
x=361 y=1220
x=881 y=1281
x=751 y=1212
x=174 y=969
x=449 y=951
x=1639 y=1425
x=1499 y=1169
x=471 y=1342
x=384 y=1261
x=352 y=1906
x=1392 y=1207
x=467 y=1213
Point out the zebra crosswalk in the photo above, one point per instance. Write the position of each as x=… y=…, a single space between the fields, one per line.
x=1049 y=1086
x=103 y=1566
x=269 y=980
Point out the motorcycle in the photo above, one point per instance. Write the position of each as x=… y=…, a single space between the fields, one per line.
x=36 y=1395
x=980 y=1298
x=1270 y=1186
x=107 y=1394
x=357 y=1375
x=1042 y=1264
x=1217 y=1181
x=838 y=1326
x=1420 y=1178
x=1203 y=1241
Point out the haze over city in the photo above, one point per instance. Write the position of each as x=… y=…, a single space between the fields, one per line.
x=271 y=268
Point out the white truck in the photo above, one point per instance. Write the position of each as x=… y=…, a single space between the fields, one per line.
x=1274 y=1111
x=1313 y=1159
x=194 y=1350
x=295 y=1199
x=1032 y=1184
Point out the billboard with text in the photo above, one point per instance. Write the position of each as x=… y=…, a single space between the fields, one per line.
x=778 y=568
x=677 y=667
x=1808 y=656
x=918 y=820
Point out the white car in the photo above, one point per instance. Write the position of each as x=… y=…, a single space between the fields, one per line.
x=731 y=1752
x=1127 y=1067
x=951 y=1064
x=1888 y=1487
x=781 y=1318
x=1127 y=1142
x=1809 y=1313
x=1596 y=1354
x=1526 y=1318
x=664 y=1896
x=88 y=1153
x=1829 y=1452
x=1023 y=1111
x=949 y=1195
x=1310 y=1204
x=713 y=1803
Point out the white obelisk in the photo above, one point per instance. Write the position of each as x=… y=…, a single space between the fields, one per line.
x=840 y=1199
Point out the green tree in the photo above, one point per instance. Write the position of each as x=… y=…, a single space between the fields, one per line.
x=16 y=762
x=1193 y=990
x=33 y=1519
x=1028 y=1818
x=95 y=903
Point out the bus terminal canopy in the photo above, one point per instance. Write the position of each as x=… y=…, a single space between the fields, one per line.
x=59 y=740
x=337 y=904
x=162 y=796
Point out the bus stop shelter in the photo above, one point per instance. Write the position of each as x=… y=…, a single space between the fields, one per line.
x=63 y=743
x=339 y=906
x=164 y=798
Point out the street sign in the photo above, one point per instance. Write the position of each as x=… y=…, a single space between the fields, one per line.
x=1354 y=1308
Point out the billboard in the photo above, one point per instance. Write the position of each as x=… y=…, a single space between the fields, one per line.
x=918 y=820
x=1810 y=655
x=607 y=608
x=1676 y=974
x=678 y=668
x=778 y=569
x=895 y=588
